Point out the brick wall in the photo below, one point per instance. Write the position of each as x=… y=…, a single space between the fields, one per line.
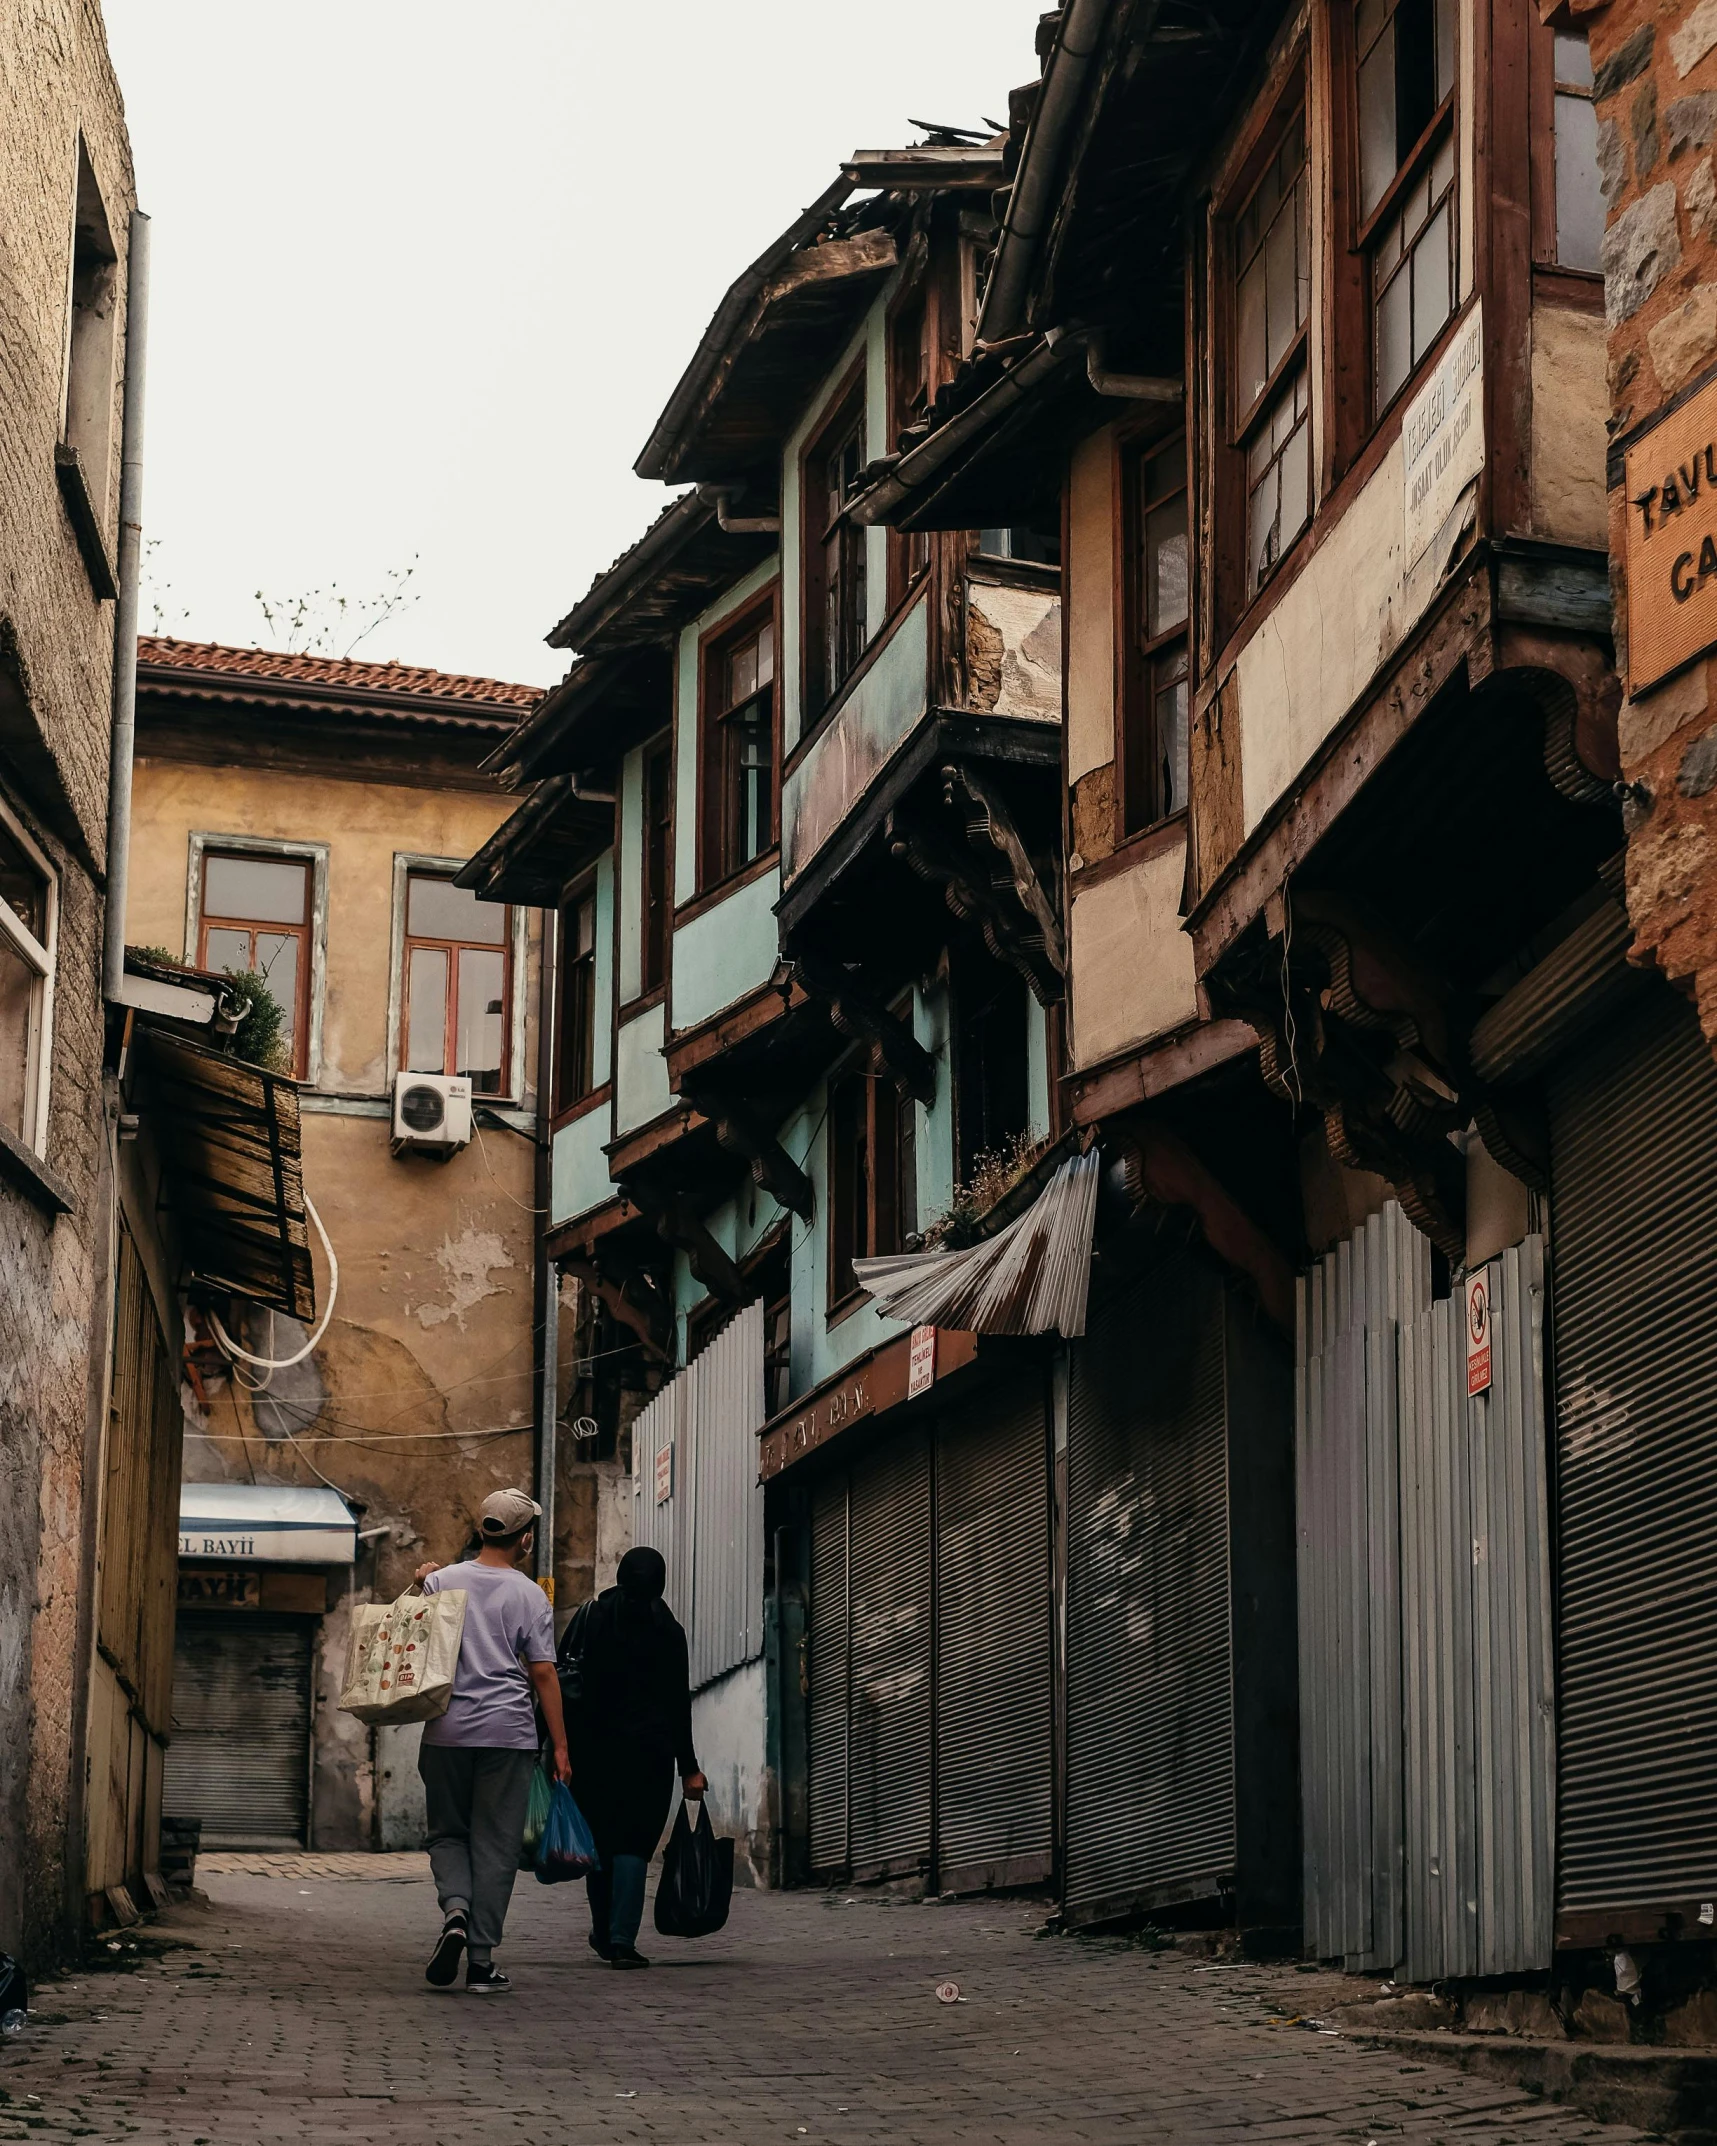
x=1655 y=87
x=56 y=644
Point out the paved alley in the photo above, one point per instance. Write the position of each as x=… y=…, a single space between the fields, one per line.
x=292 y=2009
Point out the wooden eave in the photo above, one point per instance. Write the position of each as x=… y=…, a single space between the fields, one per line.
x=602 y=708
x=681 y=563
x=556 y=834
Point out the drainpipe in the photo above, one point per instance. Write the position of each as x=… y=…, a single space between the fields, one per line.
x=737 y=524
x=125 y=610
x=545 y=1281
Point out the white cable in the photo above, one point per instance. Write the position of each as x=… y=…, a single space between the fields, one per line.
x=283 y=1363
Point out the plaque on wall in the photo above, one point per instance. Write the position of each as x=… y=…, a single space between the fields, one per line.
x=1670 y=555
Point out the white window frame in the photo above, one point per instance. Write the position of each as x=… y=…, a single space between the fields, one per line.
x=315 y=855
x=405 y=863
x=43 y=958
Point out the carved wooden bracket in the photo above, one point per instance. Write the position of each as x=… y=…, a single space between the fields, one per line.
x=988 y=821
x=855 y=1012
x=741 y=1132
x=619 y=1306
x=676 y=1223
x=1158 y=1165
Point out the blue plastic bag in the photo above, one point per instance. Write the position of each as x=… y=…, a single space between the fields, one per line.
x=566 y=1849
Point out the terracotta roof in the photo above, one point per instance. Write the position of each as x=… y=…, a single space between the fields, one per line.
x=333 y=674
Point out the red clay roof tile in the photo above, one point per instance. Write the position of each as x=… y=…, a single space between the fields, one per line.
x=330 y=672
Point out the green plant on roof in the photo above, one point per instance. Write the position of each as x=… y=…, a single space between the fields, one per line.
x=261 y=1038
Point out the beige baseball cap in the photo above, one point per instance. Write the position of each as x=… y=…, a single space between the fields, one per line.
x=505 y=1512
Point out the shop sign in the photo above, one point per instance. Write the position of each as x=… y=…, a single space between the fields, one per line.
x=665 y=1473
x=225 y=1590
x=1442 y=438
x=1478 y=1332
x=1670 y=557
x=921 y=1368
x=880 y=1381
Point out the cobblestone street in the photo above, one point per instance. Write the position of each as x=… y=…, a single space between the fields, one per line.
x=293 y=2009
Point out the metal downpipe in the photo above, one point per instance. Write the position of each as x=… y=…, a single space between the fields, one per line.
x=125 y=610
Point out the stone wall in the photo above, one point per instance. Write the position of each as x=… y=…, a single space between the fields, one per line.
x=1655 y=87
x=56 y=641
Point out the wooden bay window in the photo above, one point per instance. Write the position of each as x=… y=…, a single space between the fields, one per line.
x=575 y=1007
x=1404 y=53
x=1271 y=383
x=872 y=1174
x=1154 y=682
x=834 y=612
x=739 y=746
x=656 y=865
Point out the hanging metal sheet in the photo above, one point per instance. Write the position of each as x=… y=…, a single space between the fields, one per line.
x=993 y=1664
x=890 y=1749
x=1150 y=1740
x=1347 y=1496
x=240 y=1755
x=1634 y=1194
x=697 y=1499
x=1030 y=1278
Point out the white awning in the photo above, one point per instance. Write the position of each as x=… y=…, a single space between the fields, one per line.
x=266 y=1524
x=1030 y=1278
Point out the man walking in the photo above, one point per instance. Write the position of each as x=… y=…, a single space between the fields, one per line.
x=476 y=1759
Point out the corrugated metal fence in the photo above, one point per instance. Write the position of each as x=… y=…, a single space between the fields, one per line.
x=709 y=1527
x=1425 y=1639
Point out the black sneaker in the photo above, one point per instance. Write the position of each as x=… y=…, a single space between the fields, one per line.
x=444 y=1960
x=485 y=1981
x=626 y=1956
x=600 y=1946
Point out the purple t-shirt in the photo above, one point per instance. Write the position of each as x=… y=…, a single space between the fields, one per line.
x=506 y=1616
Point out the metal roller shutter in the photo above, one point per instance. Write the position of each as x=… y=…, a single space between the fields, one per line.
x=889 y=1729
x=826 y=1671
x=1150 y=1746
x=993 y=1660
x=240 y=1755
x=1634 y=1249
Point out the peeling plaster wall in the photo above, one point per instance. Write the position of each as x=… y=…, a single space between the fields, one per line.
x=729 y=1733
x=56 y=643
x=1013 y=650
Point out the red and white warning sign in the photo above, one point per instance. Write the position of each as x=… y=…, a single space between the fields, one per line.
x=1478 y=1332
x=921 y=1362
x=665 y=1473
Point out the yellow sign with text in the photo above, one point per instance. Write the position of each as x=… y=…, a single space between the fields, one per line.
x=1671 y=554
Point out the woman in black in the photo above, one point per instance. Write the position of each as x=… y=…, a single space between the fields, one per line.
x=634 y=1728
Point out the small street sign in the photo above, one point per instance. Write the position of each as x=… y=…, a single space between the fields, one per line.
x=665 y=1473
x=921 y=1367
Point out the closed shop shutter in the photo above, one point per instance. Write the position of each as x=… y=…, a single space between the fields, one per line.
x=826 y=1672
x=240 y=1755
x=889 y=1731
x=1634 y=1306
x=1150 y=1760
x=994 y=1730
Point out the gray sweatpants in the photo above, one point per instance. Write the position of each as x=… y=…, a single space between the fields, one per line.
x=477 y=1799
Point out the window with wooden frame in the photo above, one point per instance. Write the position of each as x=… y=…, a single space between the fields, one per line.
x=739 y=745
x=29 y=914
x=835 y=604
x=458 y=966
x=873 y=1197
x=1404 y=61
x=254 y=918
x=911 y=384
x=1154 y=680
x=575 y=1001
x=1579 y=190
x=1272 y=426
x=656 y=868
x=992 y=1090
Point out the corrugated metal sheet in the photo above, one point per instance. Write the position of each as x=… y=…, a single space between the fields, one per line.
x=710 y=1529
x=1150 y=1736
x=1030 y=1278
x=827 y=1639
x=1634 y=1197
x=993 y=1666
x=889 y=1742
x=240 y=1755
x=1425 y=1666
x=1576 y=983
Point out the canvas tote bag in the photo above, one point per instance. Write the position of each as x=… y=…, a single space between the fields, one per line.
x=402 y=1657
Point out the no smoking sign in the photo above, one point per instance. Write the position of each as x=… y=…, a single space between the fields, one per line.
x=1478 y=1332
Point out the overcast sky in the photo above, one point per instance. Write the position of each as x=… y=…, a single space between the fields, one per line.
x=425 y=272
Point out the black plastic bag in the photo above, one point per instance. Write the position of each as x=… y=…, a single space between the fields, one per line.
x=696 y=1887
x=14 y=1996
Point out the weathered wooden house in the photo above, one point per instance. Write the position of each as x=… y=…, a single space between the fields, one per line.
x=1319 y=385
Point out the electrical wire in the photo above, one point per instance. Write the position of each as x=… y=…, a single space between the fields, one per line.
x=482 y=1148
x=285 y=1363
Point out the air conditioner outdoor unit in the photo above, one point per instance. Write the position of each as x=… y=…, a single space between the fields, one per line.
x=431 y=1113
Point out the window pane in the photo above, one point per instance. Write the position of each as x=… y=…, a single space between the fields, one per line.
x=266 y=890
x=1169 y=719
x=225 y=949
x=1394 y=338
x=437 y=909
x=1445 y=48
x=1573 y=60
x=426 y=993
x=1296 y=485
x=1254 y=367
x=1431 y=280
x=742 y=673
x=1165 y=567
x=753 y=757
x=766 y=655
x=1579 y=197
x=1281 y=279
x=1377 y=122
x=583 y=932
x=22 y=887
x=277 y=965
x=17 y=1001
x=1165 y=472
x=481 y=1040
